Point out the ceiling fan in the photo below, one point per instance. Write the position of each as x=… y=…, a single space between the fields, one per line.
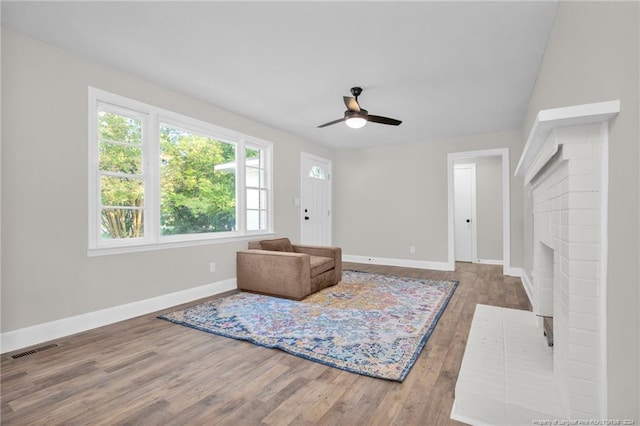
x=356 y=117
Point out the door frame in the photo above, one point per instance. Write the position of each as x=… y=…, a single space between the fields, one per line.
x=303 y=176
x=506 y=204
x=474 y=229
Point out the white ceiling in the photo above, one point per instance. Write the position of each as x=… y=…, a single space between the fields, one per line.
x=446 y=69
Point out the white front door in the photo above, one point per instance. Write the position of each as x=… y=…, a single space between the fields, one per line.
x=464 y=187
x=315 y=200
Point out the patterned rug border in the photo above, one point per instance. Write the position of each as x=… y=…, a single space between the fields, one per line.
x=251 y=340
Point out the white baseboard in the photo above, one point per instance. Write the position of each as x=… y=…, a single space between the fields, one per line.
x=528 y=288
x=407 y=263
x=28 y=336
x=490 y=262
x=512 y=271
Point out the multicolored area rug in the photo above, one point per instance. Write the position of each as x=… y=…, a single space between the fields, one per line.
x=369 y=324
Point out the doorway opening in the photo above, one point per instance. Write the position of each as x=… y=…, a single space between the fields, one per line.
x=470 y=156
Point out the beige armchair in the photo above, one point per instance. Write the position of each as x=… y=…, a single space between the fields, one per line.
x=278 y=268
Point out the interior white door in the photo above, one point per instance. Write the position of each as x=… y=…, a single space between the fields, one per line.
x=315 y=200
x=464 y=185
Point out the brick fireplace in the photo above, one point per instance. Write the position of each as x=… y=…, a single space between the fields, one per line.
x=566 y=262
x=564 y=165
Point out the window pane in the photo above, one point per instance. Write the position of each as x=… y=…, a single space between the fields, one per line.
x=256 y=189
x=256 y=220
x=253 y=220
x=120 y=158
x=118 y=128
x=263 y=199
x=121 y=192
x=263 y=219
x=317 y=173
x=122 y=223
x=254 y=177
x=198 y=183
x=253 y=199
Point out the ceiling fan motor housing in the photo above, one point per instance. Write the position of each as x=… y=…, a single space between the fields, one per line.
x=363 y=113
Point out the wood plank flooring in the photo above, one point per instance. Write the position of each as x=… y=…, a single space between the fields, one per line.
x=151 y=372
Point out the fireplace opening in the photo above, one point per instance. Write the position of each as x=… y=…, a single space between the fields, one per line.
x=547 y=326
x=546 y=277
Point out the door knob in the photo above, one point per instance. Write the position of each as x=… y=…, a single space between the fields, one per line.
x=468 y=220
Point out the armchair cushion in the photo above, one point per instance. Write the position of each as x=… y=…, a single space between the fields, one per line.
x=278 y=244
x=320 y=264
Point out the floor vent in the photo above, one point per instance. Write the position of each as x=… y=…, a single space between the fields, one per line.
x=33 y=351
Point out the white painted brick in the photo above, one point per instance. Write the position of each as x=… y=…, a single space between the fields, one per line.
x=584 y=354
x=583 y=200
x=578 y=150
x=588 y=388
x=584 y=251
x=582 y=217
x=583 y=234
x=583 y=269
x=563 y=248
x=584 y=183
x=583 y=370
x=583 y=287
x=579 y=337
x=584 y=167
x=567 y=218
x=583 y=304
x=564 y=185
x=584 y=403
x=584 y=321
x=576 y=134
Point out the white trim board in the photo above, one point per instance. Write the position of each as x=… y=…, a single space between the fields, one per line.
x=407 y=263
x=490 y=262
x=29 y=336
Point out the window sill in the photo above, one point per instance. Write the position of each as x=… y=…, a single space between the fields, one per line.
x=106 y=251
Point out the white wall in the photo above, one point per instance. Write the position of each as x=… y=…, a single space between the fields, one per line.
x=593 y=55
x=46 y=274
x=394 y=197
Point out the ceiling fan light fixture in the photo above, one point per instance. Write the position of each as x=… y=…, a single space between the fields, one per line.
x=356 y=122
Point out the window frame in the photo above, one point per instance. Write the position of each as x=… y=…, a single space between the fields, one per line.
x=152 y=118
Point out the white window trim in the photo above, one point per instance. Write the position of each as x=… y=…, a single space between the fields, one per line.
x=151 y=117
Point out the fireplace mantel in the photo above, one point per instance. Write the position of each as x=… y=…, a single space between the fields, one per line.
x=549 y=119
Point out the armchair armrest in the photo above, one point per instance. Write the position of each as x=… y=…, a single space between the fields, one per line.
x=326 y=251
x=283 y=274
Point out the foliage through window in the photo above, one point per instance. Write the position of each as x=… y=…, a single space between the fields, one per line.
x=121 y=175
x=159 y=177
x=194 y=196
x=317 y=173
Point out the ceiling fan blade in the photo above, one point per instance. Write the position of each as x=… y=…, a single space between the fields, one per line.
x=384 y=120
x=332 y=122
x=351 y=103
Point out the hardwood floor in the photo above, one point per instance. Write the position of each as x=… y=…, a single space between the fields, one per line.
x=152 y=372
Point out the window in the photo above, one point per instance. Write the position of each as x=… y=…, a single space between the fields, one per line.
x=161 y=179
x=317 y=173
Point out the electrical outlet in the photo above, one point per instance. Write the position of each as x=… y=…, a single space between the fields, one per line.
x=412 y=250
x=212 y=267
